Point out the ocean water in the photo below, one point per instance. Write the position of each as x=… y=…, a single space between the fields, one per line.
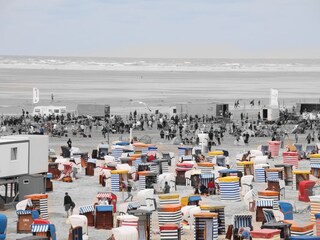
x=159 y=64
x=158 y=82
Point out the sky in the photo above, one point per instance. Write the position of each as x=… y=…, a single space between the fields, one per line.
x=161 y=28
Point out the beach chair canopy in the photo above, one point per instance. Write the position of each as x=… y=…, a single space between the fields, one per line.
x=22 y=205
x=144 y=194
x=79 y=221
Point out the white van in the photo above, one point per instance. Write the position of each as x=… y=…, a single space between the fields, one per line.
x=49 y=110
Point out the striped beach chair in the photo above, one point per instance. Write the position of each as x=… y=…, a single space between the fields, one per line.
x=170 y=232
x=170 y=214
x=229 y=189
x=205 y=178
x=265 y=204
x=44 y=230
x=241 y=221
x=259 y=174
x=219 y=209
x=205 y=167
x=88 y=211
x=116 y=153
x=290 y=158
x=165 y=199
x=115 y=182
x=127 y=220
x=205 y=226
x=145 y=223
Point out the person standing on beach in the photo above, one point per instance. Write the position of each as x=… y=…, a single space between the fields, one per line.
x=69 y=142
x=308 y=138
x=129 y=189
x=68 y=204
x=296 y=137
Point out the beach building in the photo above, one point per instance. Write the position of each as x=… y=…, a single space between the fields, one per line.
x=210 y=109
x=270 y=113
x=307 y=107
x=49 y=110
x=24 y=164
x=93 y=110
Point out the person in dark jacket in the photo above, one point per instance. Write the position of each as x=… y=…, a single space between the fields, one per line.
x=166 y=188
x=68 y=204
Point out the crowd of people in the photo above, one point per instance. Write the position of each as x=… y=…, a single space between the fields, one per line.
x=179 y=128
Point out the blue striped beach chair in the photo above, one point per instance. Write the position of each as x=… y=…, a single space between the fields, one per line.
x=241 y=221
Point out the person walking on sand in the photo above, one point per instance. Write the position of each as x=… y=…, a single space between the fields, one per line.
x=129 y=189
x=68 y=204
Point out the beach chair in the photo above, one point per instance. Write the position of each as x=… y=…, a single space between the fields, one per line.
x=66 y=173
x=250 y=199
x=282 y=186
x=221 y=160
x=65 y=152
x=246 y=184
x=242 y=224
x=265 y=150
x=299 y=150
x=310 y=149
x=79 y=227
x=287 y=209
x=3 y=226
x=102 y=152
x=269 y=215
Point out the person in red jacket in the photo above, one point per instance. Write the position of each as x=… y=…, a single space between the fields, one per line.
x=211 y=188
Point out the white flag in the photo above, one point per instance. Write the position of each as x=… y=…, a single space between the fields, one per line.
x=35 y=95
x=274 y=97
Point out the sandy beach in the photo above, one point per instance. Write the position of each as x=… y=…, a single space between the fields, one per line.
x=160 y=90
x=84 y=190
x=224 y=76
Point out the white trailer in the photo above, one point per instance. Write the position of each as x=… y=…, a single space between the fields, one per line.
x=14 y=157
x=211 y=109
x=23 y=154
x=50 y=110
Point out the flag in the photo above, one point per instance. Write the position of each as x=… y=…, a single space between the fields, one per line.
x=274 y=97
x=35 y=95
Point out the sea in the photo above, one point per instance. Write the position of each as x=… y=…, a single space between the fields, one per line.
x=157 y=82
